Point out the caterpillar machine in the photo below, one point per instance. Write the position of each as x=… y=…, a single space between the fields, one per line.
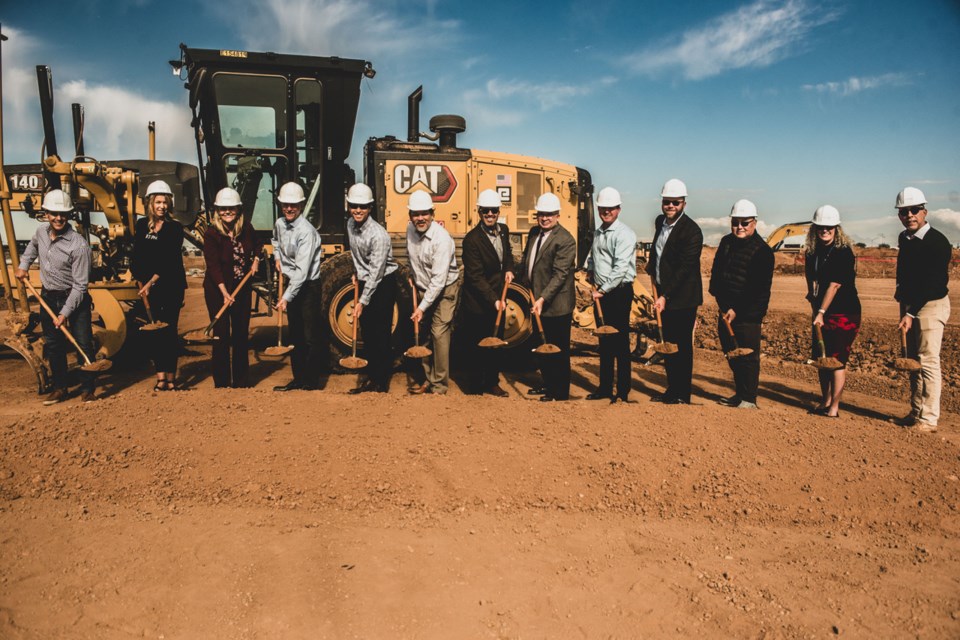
x=260 y=120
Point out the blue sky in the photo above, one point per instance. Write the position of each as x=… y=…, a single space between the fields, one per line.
x=790 y=103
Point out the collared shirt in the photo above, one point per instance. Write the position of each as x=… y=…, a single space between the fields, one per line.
x=493 y=235
x=613 y=256
x=541 y=240
x=372 y=255
x=64 y=263
x=919 y=233
x=665 y=230
x=297 y=244
x=433 y=258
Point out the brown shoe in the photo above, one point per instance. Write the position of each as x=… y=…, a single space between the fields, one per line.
x=88 y=396
x=419 y=389
x=56 y=396
x=498 y=391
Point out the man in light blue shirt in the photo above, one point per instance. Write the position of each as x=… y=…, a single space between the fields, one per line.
x=297 y=254
x=433 y=259
x=612 y=267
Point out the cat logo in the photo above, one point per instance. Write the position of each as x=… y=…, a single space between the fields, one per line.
x=438 y=179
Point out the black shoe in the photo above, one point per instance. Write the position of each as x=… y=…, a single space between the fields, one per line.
x=293 y=385
x=599 y=396
x=363 y=388
x=547 y=399
x=732 y=401
x=536 y=391
x=675 y=401
x=660 y=397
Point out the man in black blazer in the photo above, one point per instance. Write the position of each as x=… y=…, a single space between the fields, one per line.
x=487 y=266
x=548 y=265
x=674 y=268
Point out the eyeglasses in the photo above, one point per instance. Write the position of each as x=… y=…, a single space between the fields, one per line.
x=825 y=229
x=354 y=205
x=485 y=210
x=906 y=211
x=675 y=203
x=742 y=222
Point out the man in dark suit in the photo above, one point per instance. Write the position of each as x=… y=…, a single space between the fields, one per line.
x=674 y=268
x=487 y=266
x=548 y=266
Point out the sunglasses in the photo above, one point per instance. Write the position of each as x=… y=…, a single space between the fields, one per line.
x=57 y=214
x=675 y=203
x=742 y=222
x=825 y=229
x=359 y=206
x=547 y=214
x=906 y=211
x=485 y=210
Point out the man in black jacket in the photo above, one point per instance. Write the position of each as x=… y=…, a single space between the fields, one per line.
x=740 y=281
x=487 y=266
x=674 y=268
x=923 y=265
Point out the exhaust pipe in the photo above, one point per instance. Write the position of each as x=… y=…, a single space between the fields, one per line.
x=413 y=114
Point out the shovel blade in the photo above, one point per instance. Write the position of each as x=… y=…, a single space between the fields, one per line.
x=418 y=352
x=739 y=353
x=97 y=366
x=547 y=349
x=828 y=364
x=153 y=326
x=492 y=343
x=906 y=364
x=199 y=336
x=666 y=348
x=353 y=362
x=277 y=351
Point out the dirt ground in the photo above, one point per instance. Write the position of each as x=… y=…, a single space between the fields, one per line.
x=250 y=514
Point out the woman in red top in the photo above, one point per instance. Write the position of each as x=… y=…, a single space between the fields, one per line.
x=231 y=250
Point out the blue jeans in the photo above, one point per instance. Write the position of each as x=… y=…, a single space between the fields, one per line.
x=56 y=344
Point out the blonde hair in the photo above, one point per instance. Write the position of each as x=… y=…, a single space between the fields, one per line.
x=151 y=216
x=217 y=222
x=840 y=239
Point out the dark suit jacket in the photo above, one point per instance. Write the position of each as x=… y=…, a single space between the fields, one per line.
x=482 y=270
x=680 y=281
x=553 y=270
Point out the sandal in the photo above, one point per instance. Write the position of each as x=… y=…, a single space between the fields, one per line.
x=159 y=386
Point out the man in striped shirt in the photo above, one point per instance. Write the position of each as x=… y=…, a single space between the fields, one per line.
x=64 y=257
x=376 y=271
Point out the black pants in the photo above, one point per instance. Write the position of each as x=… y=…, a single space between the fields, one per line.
x=678 y=329
x=56 y=344
x=484 y=362
x=616 y=312
x=165 y=305
x=555 y=368
x=231 y=363
x=375 y=327
x=746 y=369
x=305 y=316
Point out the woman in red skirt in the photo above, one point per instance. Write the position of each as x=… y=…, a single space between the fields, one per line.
x=831 y=270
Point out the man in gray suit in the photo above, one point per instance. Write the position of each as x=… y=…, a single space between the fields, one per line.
x=548 y=266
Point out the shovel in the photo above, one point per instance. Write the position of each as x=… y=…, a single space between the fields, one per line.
x=546 y=348
x=823 y=362
x=905 y=363
x=665 y=348
x=736 y=352
x=97 y=366
x=604 y=329
x=353 y=362
x=280 y=350
x=205 y=335
x=416 y=351
x=153 y=325
x=493 y=341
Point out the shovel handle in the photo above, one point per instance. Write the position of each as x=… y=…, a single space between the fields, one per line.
x=65 y=331
x=146 y=304
x=416 y=325
x=903 y=342
x=536 y=316
x=819 y=334
x=503 y=302
x=356 y=298
x=656 y=312
x=596 y=304
x=236 y=290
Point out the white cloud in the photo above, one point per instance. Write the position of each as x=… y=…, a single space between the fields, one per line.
x=948 y=221
x=347 y=28
x=755 y=35
x=715 y=228
x=854 y=85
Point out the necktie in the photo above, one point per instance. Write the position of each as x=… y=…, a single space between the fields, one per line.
x=533 y=256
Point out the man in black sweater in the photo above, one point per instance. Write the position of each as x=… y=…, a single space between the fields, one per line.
x=674 y=268
x=740 y=281
x=922 y=272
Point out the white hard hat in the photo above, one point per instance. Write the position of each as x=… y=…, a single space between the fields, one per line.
x=57 y=200
x=227 y=197
x=743 y=209
x=489 y=199
x=359 y=194
x=548 y=203
x=673 y=188
x=158 y=187
x=826 y=216
x=420 y=201
x=910 y=197
x=608 y=198
x=291 y=193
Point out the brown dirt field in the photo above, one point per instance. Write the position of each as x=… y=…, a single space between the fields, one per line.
x=250 y=514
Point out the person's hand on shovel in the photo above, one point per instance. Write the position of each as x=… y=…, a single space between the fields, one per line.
x=596 y=293
x=507 y=278
x=227 y=298
x=358 y=307
x=537 y=307
x=660 y=304
x=729 y=315
x=906 y=323
x=145 y=289
x=417 y=315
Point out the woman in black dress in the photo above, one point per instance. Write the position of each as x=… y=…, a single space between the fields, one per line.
x=831 y=270
x=158 y=267
x=231 y=250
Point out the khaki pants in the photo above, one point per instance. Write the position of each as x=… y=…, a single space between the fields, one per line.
x=437 y=367
x=923 y=342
